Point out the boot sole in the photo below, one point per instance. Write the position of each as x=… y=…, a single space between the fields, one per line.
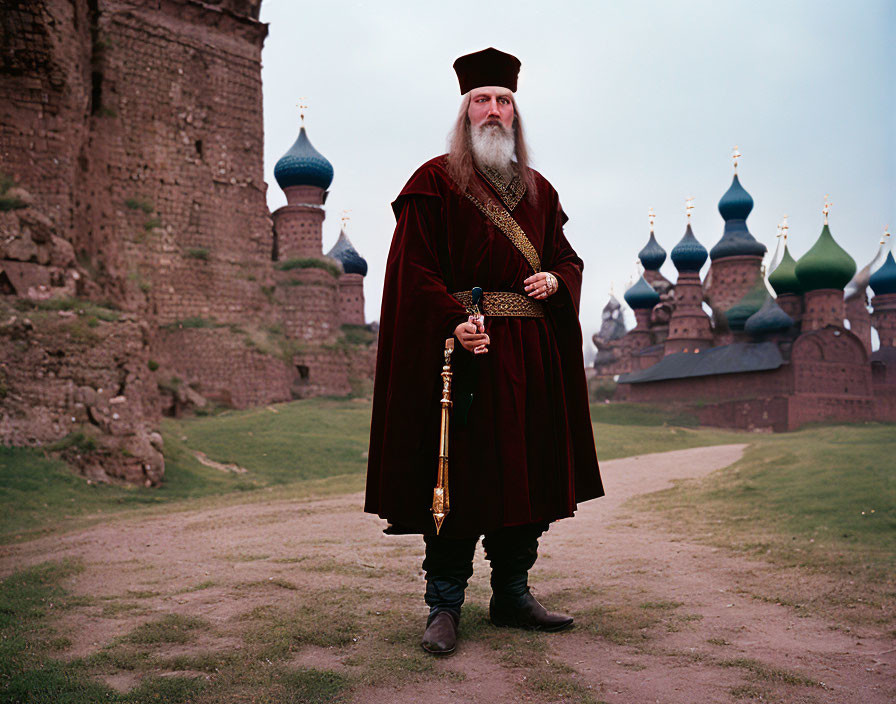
x=529 y=627
x=438 y=652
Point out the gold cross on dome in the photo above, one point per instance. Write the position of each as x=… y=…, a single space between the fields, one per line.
x=302 y=108
x=883 y=237
x=612 y=293
x=689 y=206
x=827 y=207
x=345 y=218
x=784 y=227
x=651 y=216
x=736 y=155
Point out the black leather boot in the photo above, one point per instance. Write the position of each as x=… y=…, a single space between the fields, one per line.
x=440 y=637
x=526 y=612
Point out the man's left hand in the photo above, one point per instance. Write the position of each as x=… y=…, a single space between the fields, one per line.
x=541 y=285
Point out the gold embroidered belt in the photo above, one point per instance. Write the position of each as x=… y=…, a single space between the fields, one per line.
x=503 y=303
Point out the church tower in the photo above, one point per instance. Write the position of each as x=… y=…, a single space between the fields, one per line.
x=304 y=174
x=737 y=257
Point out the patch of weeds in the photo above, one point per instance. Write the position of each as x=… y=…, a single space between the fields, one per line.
x=268 y=292
x=622 y=625
x=200 y=662
x=326 y=620
x=555 y=683
x=117 y=658
x=360 y=335
x=718 y=641
x=749 y=691
x=290 y=560
x=311 y=685
x=198 y=587
x=198 y=253
x=309 y=263
x=761 y=671
x=142 y=593
x=271 y=582
x=243 y=557
x=117 y=608
x=152 y=365
x=143 y=204
x=170 y=628
x=77 y=441
x=171 y=690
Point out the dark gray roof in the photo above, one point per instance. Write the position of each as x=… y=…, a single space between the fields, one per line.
x=728 y=359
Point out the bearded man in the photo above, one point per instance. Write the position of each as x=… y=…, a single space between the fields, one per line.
x=522 y=448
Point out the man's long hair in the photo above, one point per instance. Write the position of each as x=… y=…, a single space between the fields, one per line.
x=460 y=150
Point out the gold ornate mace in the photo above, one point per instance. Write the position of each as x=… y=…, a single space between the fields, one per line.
x=440 y=505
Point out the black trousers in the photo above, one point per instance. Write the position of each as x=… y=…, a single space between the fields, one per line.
x=449 y=565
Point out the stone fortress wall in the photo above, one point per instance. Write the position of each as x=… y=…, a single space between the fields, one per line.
x=131 y=148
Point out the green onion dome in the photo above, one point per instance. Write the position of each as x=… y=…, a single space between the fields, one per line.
x=652 y=256
x=688 y=254
x=303 y=165
x=641 y=295
x=826 y=265
x=883 y=280
x=783 y=279
x=768 y=319
x=736 y=240
x=751 y=302
x=345 y=253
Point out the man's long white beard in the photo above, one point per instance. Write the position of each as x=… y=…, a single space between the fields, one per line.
x=493 y=146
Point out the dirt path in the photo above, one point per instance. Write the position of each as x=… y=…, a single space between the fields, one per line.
x=659 y=619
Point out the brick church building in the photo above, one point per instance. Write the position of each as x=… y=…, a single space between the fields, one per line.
x=743 y=352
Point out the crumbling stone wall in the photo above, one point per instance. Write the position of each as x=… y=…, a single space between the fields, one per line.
x=131 y=175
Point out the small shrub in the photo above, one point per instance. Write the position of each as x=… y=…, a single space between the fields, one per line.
x=152 y=364
x=152 y=224
x=140 y=204
x=198 y=253
x=309 y=263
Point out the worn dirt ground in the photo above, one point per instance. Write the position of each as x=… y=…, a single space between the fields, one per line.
x=659 y=619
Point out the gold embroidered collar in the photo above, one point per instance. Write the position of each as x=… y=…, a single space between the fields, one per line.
x=511 y=193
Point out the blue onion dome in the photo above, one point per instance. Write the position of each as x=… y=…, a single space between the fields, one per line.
x=652 y=256
x=688 y=254
x=856 y=287
x=768 y=319
x=826 y=265
x=783 y=279
x=883 y=281
x=738 y=314
x=736 y=240
x=343 y=251
x=303 y=165
x=641 y=295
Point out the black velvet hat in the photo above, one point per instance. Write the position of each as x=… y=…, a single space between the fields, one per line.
x=488 y=67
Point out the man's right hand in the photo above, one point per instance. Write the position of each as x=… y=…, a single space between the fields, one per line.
x=472 y=337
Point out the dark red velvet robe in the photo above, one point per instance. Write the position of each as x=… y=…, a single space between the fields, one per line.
x=527 y=451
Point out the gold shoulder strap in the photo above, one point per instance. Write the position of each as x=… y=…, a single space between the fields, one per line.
x=504 y=221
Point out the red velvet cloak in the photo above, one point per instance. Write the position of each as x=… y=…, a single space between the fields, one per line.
x=527 y=452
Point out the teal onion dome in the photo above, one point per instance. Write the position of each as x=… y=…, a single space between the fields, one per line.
x=688 y=254
x=736 y=240
x=749 y=304
x=883 y=281
x=303 y=165
x=652 y=256
x=768 y=319
x=641 y=295
x=783 y=279
x=343 y=251
x=826 y=265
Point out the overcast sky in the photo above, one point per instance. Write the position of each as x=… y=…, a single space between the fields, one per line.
x=627 y=105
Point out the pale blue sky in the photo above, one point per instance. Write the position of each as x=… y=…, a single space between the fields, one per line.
x=627 y=105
